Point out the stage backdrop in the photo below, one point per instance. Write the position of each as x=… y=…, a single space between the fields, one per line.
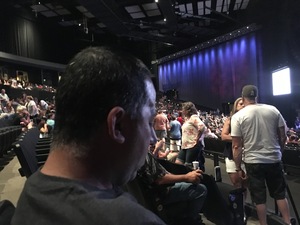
x=214 y=75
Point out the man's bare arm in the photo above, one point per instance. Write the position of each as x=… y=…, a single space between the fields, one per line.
x=237 y=145
x=191 y=177
x=225 y=135
x=281 y=137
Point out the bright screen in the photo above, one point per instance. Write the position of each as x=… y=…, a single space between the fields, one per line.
x=281 y=81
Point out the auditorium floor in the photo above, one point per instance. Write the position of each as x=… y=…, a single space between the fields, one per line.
x=11 y=184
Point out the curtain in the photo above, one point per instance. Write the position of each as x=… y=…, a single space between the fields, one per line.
x=214 y=75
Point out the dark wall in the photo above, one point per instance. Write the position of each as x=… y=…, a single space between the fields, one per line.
x=25 y=34
x=281 y=47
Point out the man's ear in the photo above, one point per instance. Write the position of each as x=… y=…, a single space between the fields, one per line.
x=114 y=120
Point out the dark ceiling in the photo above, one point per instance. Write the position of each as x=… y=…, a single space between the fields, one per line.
x=167 y=25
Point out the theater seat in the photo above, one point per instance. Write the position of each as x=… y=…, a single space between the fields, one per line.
x=25 y=151
x=147 y=197
x=217 y=207
x=7 y=210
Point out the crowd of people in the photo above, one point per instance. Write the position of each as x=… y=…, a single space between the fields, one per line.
x=22 y=84
x=27 y=111
x=258 y=126
x=213 y=119
x=99 y=146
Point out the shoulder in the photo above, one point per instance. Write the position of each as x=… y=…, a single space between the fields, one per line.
x=124 y=209
x=108 y=206
x=269 y=108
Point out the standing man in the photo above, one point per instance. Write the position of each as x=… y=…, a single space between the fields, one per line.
x=94 y=151
x=32 y=107
x=260 y=129
x=161 y=125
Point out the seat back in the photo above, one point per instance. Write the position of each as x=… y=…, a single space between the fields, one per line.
x=147 y=197
x=174 y=168
x=216 y=207
x=8 y=136
x=7 y=210
x=26 y=154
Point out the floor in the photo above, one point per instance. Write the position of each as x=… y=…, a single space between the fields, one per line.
x=11 y=184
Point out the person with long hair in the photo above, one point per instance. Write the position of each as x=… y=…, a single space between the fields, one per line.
x=225 y=135
x=192 y=137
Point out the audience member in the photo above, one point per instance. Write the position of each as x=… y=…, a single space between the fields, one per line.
x=3 y=98
x=210 y=133
x=21 y=117
x=175 y=138
x=182 y=195
x=31 y=107
x=260 y=129
x=42 y=126
x=43 y=104
x=51 y=119
x=192 y=137
x=161 y=125
x=158 y=151
x=179 y=118
x=229 y=163
x=8 y=108
x=94 y=151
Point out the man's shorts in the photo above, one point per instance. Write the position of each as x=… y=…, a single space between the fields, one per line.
x=160 y=134
x=175 y=145
x=271 y=174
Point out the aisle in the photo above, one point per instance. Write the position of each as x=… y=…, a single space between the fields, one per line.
x=11 y=182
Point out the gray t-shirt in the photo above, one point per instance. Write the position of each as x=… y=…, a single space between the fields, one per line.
x=258 y=125
x=54 y=200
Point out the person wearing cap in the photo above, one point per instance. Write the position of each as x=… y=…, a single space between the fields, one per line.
x=260 y=129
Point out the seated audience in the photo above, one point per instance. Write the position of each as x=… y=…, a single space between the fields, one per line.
x=95 y=151
x=182 y=195
x=8 y=108
x=42 y=126
x=158 y=151
x=21 y=117
x=51 y=120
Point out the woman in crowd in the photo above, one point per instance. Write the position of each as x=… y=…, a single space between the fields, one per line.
x=8 y=108
x=192 y=137
x=225 y=135
x=21 y=117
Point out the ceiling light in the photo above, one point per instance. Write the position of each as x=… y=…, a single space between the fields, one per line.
x=79 y=24
x=156 y=0
x=165 y=19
